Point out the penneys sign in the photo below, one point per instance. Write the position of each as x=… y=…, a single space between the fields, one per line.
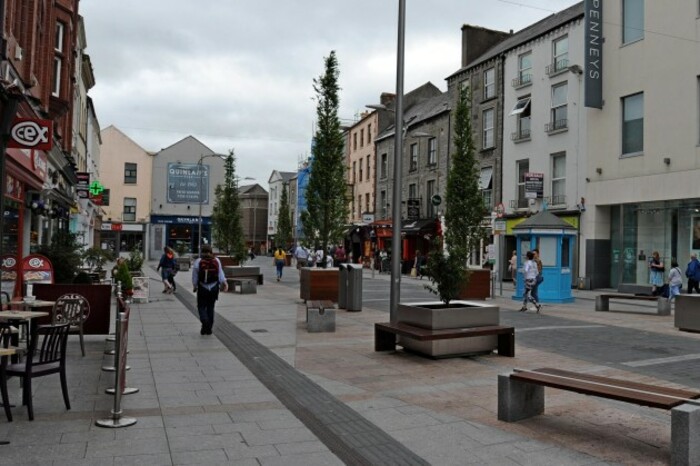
x=593 y=53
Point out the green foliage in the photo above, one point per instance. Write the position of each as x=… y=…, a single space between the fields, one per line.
x=95 y=258
x=65 y=255
x=135 y=259
x=124 y=277
x=447 y=274
x=227 y=231
x=284 y=235
x=181 y=247
x=327 y=209
x=82 y=278
x=464 y=210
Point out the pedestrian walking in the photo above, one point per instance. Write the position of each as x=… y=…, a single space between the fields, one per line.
x=530 y=272
x=693 y=274
x=207 y=277
x=656 y=272
x=339 y=255
x=540 y=277
x=167 y=266
x=302 y=256
x=280 y=257
x=513 y=265
x=675 y=280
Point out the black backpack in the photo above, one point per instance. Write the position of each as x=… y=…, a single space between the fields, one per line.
x=208 y=270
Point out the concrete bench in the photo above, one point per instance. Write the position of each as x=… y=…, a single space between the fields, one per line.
x=245 y=285
x=521 y=396
x=385 y=335
x=663 y=305
x=320 y=316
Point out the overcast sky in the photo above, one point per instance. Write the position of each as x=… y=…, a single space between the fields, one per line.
x=239 y=73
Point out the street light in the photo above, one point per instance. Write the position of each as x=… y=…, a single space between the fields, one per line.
x=201 y=194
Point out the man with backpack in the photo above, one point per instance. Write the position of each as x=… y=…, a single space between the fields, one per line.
x=207 y=277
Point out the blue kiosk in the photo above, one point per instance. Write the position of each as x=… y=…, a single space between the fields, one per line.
x=556 y=241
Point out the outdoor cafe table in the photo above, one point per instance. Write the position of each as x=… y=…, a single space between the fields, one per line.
x=16 y=317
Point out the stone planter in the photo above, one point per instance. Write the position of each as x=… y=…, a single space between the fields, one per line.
x=479 y=285
x=460 y=314
x=184 y=263
x=687 y=313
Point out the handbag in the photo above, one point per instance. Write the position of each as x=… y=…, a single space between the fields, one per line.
x=414 y=272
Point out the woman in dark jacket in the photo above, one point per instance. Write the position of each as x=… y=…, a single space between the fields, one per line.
x=168 y=264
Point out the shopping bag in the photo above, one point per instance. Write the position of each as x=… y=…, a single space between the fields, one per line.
x=414 y=272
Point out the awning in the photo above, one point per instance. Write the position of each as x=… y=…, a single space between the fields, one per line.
x=418 y=226
x=485 y=178
x=521 y=106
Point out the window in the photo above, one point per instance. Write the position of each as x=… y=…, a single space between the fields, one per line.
x=354 y=172
x=367 y=209
x=559 y=179
x=524 y=69
x=58 y=39
x=432 y=151
x=129 y=173
x=560 y=54
x=632 y=20
x=558 y=118
x=633 y=124
x=129 y=214
x=487 y=131
x=522 y=167
x=369 y=133
x=362 y=137
x=485 y=184
x=414 y=157
x=412 y=191
x=429 y=193
x=384 y=167
x=522 y=111
x=382 y=203
x=465 y=85
x=368 y=177
x=489 y=83
x=359 y=206
x=354 y=141
x=56 y=88
x=360 y=167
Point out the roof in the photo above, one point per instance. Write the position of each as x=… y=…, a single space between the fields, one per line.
x=525 y=35
x=543 y=220
x=421 y=111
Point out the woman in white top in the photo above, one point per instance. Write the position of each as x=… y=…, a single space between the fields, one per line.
x=530 y=271
x=675 y=280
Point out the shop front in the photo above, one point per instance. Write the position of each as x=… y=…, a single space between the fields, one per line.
x=178 y=232
x=123 y=237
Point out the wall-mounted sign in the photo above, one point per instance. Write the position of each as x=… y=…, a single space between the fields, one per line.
x=31 y=133
x=188 y=183
x=534 y=185
x=413 y=209
x=367 y=218
x=593 y=53
x=83 y=185
x=96 y=188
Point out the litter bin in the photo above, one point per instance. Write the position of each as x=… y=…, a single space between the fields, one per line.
x=354 y=291
x=342 y=285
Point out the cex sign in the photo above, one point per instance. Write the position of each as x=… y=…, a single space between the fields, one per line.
x=31 y=133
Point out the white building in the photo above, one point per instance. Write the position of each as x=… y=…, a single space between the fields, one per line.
x=276 y=184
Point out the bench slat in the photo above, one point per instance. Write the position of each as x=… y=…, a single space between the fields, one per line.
x=425 y=334
x=630 y=296
x=621 y=390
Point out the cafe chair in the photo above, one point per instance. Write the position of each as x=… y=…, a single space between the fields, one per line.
x=6 y=334
x=46 y=356
x=74 y=309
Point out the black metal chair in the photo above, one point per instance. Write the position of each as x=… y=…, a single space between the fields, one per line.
x=6 y=333
x=74 y=309
x=46 y=356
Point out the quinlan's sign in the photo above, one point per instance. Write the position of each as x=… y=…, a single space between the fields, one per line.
x=593 y=53
x=31 y=133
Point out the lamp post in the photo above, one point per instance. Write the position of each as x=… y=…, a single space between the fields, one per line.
x=201 y=195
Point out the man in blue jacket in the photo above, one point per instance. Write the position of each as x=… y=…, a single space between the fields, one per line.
x=693 y=274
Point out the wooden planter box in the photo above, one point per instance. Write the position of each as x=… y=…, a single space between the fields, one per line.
x=318 y=284
x=99 y=297
x=461 y=314
x=479 y=285
x=227 y=261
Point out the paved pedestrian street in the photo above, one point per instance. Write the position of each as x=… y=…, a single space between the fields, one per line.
x=263 y=391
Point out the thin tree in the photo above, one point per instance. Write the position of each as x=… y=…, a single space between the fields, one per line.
x=227 y=231
x=327 y=209
x=464 y=210
x=284 y=220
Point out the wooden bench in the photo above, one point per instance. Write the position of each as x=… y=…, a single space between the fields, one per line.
x=663 y=305
x=385 y=335
x=521 y=395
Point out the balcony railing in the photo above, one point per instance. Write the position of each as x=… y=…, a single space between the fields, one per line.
x=521 y=81
x=556 y=67
x=556 y=200
x=521 y=203
x=522 y=135
x=556 y=125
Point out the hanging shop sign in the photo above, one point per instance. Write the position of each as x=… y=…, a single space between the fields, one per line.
x=83 y=185
x=36 y=269
x=593 y=50
x=413 y=208
x=534 y=185
x=31 y=133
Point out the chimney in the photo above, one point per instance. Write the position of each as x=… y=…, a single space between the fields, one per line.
x=387 y=98
x=477 y=40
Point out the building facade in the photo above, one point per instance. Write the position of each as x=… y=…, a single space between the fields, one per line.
x=277 y=182
x=253 y=205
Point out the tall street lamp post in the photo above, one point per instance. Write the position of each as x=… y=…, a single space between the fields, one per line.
x=201 y=194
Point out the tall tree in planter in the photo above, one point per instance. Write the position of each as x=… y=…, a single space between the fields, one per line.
x=227 y=231
x=327 y=209
x=284 y=221
x=464 y=210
